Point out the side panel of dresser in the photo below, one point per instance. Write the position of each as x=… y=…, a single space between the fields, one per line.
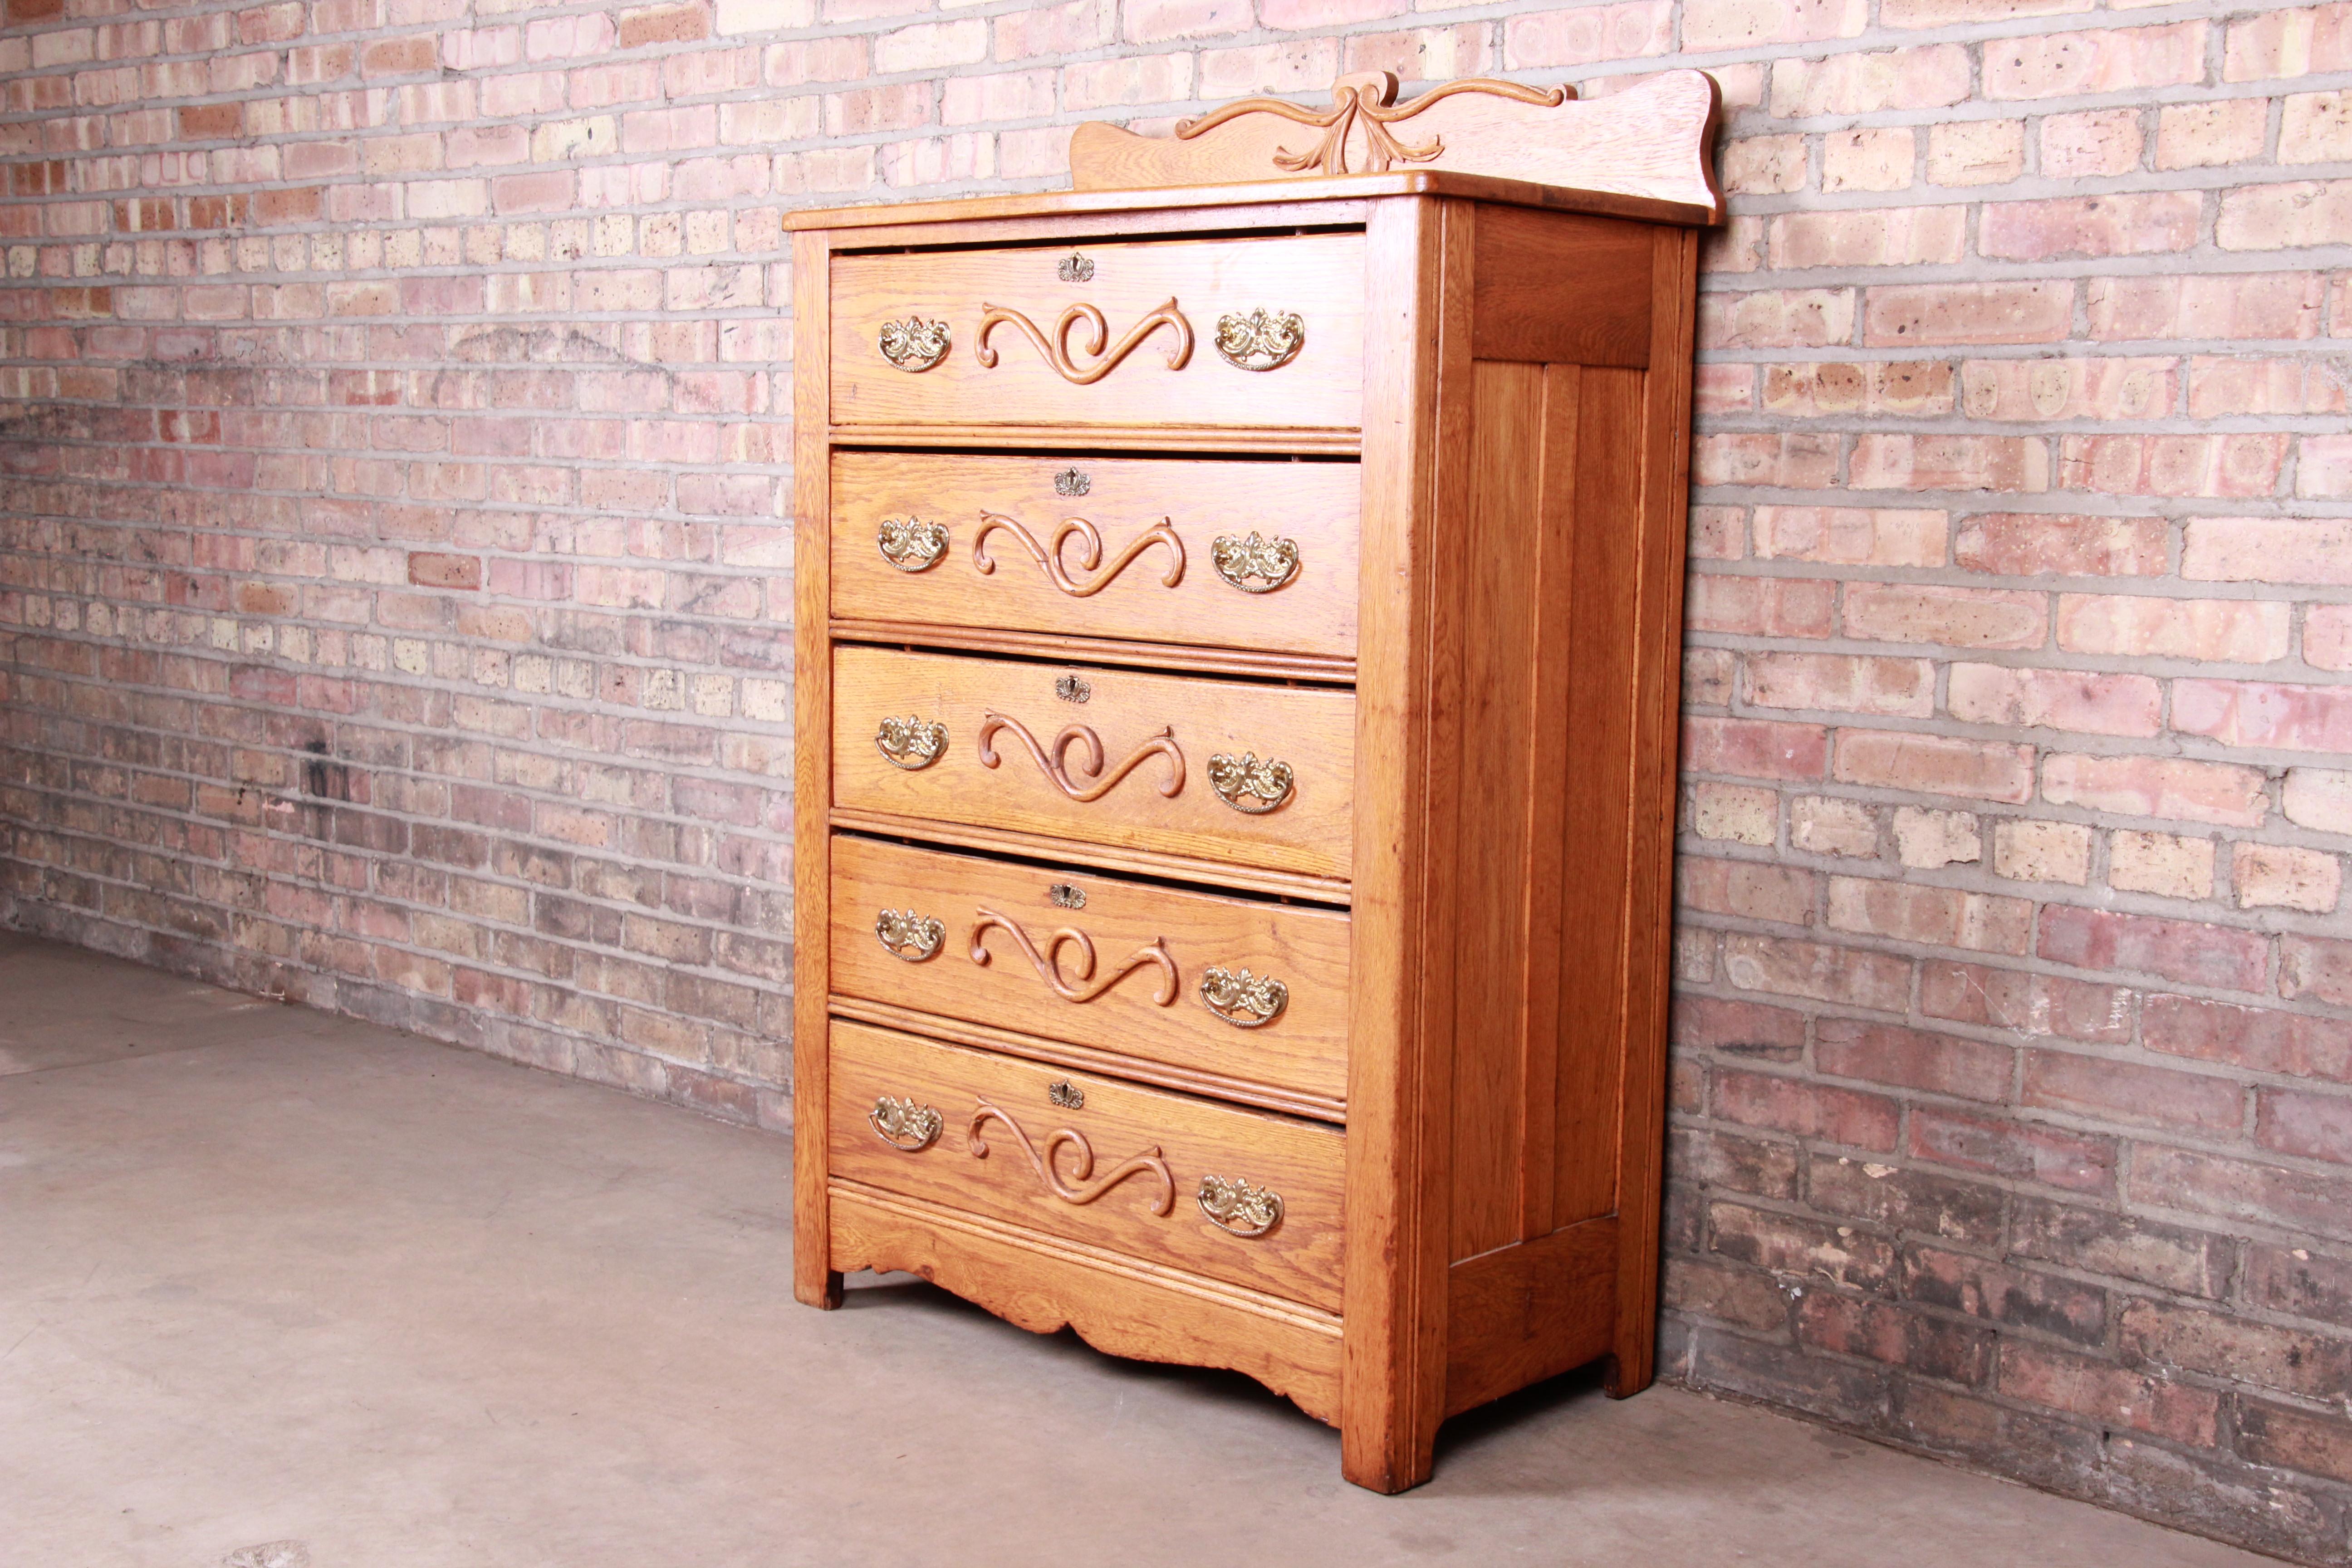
x=1579 y=386
x=814 y=1279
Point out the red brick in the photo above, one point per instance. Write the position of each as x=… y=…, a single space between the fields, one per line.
x=2117 y=224
x=2025 y=1004
x=1754 y=748
x=1792 y=968
x=2313 y=1126
x=1901 y=686
x=1935 y=764
x=1913 y=1059
x=1958 y=617
x=1832 y=1115
x=1749 y=1027
x=1765 y=606
x=2105 y=1089
x=2263 y=714
x=2260 y=1039
x=2027 y=545
x=2170 y=787
x=2111 y=1395
x=1999 y=1147
x=2184 y=950
x=2235 y=630
x=1927 y=1346
x=2055 y=699
x=2242 y=1189
x=1946 y=917
x=2295 y=1440
x=1909 y=315
x=1747 y=889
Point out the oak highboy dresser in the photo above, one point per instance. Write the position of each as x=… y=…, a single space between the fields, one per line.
x=1239 y=609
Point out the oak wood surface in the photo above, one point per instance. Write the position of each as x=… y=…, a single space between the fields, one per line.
x=1176 y=726
x=1172 y=374
x=1248 y=664
x=1562 y=290
x=814 y=1280
x=1651 y=141
x=1398 y=1061
x=1086 y=1059
x=1180 y=509
x=1192 y=441
x=1120 y=1305
x=1145 y=1214
x=1656 y=634
x=1529 y=1310
x=1304 y=1047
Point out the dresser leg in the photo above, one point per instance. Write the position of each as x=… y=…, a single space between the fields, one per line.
x=1385 y=1462
x=822 y=1291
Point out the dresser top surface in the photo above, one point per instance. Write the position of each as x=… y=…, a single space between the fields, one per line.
x=1332 y=188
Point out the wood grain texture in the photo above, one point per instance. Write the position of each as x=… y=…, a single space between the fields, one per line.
x=1313 y=730
x=1085 y=1058
x=814 y=1280
x=1653 y=142
x=1665 y=497
x=1197 y=440
x=1303 y=1049
x=1311 y=504
x=1248 y=664
x=1319 y=277
x=1120 y=212
x=1298 y=1260
x=1399 y=1063
x=1529 y=1311
x=1120 y=1305
x=1561 y=291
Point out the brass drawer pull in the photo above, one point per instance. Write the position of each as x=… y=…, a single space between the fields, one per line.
x=1048 y=963
x=913 y=545
x=904 y=1125
x=1239 y=1207
x=1272 y=563
x=914 y=345
x=1054 y=761
x=1242 y=1000
x=1056 y=348
x=1077 y=1188
x=1262 y=340
x=906 y=935
x=913 y=742
x=1049 y=556
x=1247 y=784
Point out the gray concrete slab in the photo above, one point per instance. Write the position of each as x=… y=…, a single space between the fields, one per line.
x=279 y=1289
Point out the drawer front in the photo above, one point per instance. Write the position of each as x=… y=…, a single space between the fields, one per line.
x=1236 y=554
x=1152 y=333
x=1222 y=770
x=1094 y=1159
x=1242 y=989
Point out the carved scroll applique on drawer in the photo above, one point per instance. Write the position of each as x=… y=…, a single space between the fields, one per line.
x=1104 y=354
x=1081 y=1186
x=1054 y=761
x=1082 y=986
x=1089 y=537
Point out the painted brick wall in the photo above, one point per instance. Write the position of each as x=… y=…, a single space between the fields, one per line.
x=393 y=583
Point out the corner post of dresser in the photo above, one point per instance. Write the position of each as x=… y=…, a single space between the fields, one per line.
x=1664 y=523
x=1399 y=1116
x=814 y=1279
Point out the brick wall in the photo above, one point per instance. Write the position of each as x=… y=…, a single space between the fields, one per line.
x=393 y=583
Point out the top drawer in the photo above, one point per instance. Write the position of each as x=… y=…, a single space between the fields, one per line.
x=1244 y=332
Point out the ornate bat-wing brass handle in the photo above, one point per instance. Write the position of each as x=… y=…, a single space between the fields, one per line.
x=1081 y=1186
x=1056 y=348
x=904 y=1125
x=1242 y=1000
x=913 y=545
x=1262 y=340
x=914 y=345
x=1054 y=761
x=912 y=743
x=1249 y=785
x=1048 y=963
x=1239 y=1207
x=1255 y=565
x=908 y=935
x=1049 y=556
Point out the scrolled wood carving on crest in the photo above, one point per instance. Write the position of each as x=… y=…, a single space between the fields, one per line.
x=1651 y=142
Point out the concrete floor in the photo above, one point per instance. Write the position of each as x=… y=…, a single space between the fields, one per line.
x=281 y=1291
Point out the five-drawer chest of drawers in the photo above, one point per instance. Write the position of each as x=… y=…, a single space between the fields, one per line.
x=1238 y=615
